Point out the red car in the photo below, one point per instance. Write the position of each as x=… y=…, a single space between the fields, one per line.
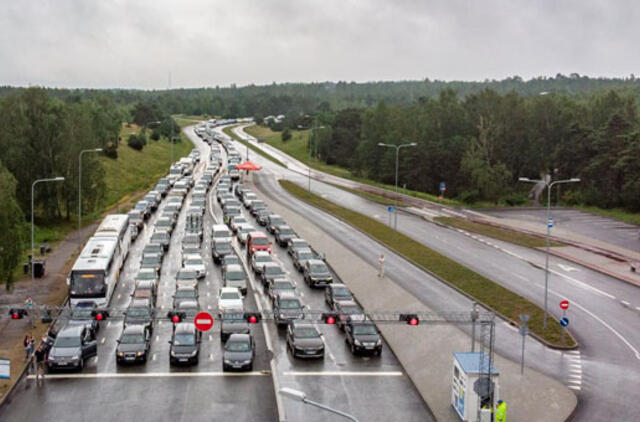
x=258 y=241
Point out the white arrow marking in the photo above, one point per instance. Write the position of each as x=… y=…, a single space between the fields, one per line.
x=567 y=268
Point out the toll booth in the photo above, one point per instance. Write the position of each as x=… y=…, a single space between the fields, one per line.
x=470 y=389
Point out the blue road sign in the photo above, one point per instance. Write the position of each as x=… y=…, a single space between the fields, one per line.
x=390 y=208
x=443 y=187
x=564 y=321
x=550 y=222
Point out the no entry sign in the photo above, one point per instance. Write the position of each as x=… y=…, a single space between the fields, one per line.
x=564 y=305
x=204 y=321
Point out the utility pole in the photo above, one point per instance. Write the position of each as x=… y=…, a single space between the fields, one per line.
x=397 y=147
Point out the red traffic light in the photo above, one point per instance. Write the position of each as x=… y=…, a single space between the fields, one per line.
x=175 y=319
x=99 y=317
x=252 y=318
x=411 y=319
x=15 y=315
x=329 y=318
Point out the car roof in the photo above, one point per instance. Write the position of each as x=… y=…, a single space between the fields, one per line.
x=144 y=283
x=337 y=286
x=271 y=264
x=346 y=303
x=192 y=256
x=140 y=302
x=244 y=338
x=303 y=250
x=146 y=270
x=133 y=329
x=185 y=327
x=288 y=295
x=229 y=289
x=189 y=304
x=262 y=253
x=187 y=288
x=296 y=239
x=234 y=267
x=257 y=234
x=315 y=261
x=71 y=330
x=302 y=324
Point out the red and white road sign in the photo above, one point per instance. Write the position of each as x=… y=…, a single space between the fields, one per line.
x=204 y=321
x=564 y=305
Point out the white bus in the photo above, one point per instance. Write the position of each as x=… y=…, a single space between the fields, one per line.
x=96 y=271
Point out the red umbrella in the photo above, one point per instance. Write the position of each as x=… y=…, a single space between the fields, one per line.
x=249 y=166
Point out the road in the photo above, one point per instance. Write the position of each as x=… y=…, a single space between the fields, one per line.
x=370 y=388
x=598 y=227
x=607 y=365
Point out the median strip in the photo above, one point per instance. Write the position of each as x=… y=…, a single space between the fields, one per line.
x=229 y=131
x=492 y=295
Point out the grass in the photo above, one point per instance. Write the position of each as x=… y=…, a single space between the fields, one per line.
x=505 y=235
x=229 y=131
x=617 y=213
x=371 y=196
x=187 y=120
x=496 y=297
x=298 y=148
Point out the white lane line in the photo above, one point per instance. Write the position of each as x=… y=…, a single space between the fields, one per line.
x=96 y=361
x=119 y=295
x=625 y=303
x=574 y=387
x=575 y=370
x=108 y=324
x=575 y=376
x=157 y=338
x=637 y=308
x=208 y=294
x=103 y=339
x=157 y=375
x=582 y=284
x=210 y=337
x=343 y=373
x=153 y=357
x=523 y=278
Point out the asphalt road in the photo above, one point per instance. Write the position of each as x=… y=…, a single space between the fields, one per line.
x=373 y=388
x=598 y=227
x=604 y=369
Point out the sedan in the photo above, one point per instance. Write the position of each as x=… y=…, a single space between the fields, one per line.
x=185 y=344
x=152 y=248
x=147 y=274
x=283 y=234
x=271 y=271
x=238 y=353
x=300 y=258
x=186 y=277
x=161 y=237
x=281 y=285
x=304 y=340
x=297 y=243
x=316 y=273
x=220 y=248
x=166 y=224
x=229 y=298
x=363 y=337
x=243 y=232
x=184 y=293
x=259 y=259
x=140 y=312
x=153 y=261
x=233 y=322
x=133 y=345
x=236 y=221
x=195 y=263
x=337 y=292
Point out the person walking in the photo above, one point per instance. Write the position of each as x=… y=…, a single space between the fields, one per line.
x=381 y=266
x=40 y=355
x=25 y=343
x=501 y=411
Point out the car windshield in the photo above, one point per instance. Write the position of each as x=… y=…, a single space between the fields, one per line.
x=195 y=261
x=184 y=340
x=305 y=255
x=186 y=275
x=237 y=317
x=286 y=231
x=81 y=313
x=163 y=223
x=306 y=332
x=223 y=246
x=237 y=346
x=186 y=293
x=277 y=221
x=290 y=304
x=260 y=241
x=235 y=275
x=318 y=268
x=364 y=330
x=141 y=206
x=229 y=296
x=146 y=275
x=350 y=309
x=150 y=259
x=191 y=238
x=239 y=220
x=262 y=258
x=132 y=339
x=139 y=312
x=159 y=236
x=342 y=292
x=154 y=248
x=273 y=270
x=67 y=342
x=282 y=285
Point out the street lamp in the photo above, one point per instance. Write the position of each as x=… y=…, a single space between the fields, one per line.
x=548 y=185
x=397 y=147
x=80 y=182
x=301 y=396
x=33 y=186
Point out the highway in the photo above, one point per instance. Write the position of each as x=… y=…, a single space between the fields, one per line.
x=603 y=314
x=368 y=387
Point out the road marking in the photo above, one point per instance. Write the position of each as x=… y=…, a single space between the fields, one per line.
x=574 y=387
x=210 y=356
x=343 y=373
x=210 y=337
x=119 y=295
x=575 y=376
x=157 y=338
x=576 y=370
x=153 y=357
x=523 y=278
x=625 y=303
x=156 y=375
x=103 y=339
x=567 y=268
x=108 y=324
x=637 y=308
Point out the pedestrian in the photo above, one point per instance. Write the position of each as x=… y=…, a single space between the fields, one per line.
x=25 y=343
x=40 y=358
x=31 y=346
x=501 y=411
x=381 y=266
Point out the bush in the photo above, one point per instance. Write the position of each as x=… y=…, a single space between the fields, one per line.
x=469 y=196
x=155 y=135
x=515 y=199
x=136 y=142
x=110 y=150
x=286 y=134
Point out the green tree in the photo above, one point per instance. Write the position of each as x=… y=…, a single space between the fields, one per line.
x=12 y=227
x=286 y=134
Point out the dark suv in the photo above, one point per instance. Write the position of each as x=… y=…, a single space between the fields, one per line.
x=363 y=337
x=140 y=312
x=73 y=345
x=185 y=344
x=337 y=292
x=133 y=345
x=233 y=322
x=287 y=307
x=316 y=273
x=304 y=340
x=284 y=234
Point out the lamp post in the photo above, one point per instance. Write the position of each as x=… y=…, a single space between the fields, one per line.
x=397 y=147
x=33 y=186
x=548 y=185
x=301 y=396
x=80 y=182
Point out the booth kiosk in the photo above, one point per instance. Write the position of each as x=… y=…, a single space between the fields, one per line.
x=470 y=389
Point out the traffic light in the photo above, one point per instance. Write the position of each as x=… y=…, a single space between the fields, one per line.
x=411 y=319
x=330 y=317
x=252 y=317
x=99 y=315
x=17 y=313
x=176 y=317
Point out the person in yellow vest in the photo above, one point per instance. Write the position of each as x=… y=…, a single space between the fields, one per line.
x=501 y=411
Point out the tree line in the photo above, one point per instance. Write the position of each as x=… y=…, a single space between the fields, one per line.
x=481 y=144
x=42 y=137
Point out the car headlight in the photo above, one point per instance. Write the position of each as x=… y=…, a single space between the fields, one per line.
x=120 y=354
x=245 y=362
x=283 y=315
x=227 y=361
x=75 y=358
x=379 y=342
x=357 y=342
x=172 y=353
x=140 y=353
x=195 y=352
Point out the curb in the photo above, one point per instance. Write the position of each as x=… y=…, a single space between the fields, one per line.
x=449 y=284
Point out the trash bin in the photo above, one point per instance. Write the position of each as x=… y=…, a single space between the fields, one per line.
x=38 y=268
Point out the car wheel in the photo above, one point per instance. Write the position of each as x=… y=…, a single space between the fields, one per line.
x=251 y=367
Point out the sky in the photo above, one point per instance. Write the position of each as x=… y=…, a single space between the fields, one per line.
x=158 y=44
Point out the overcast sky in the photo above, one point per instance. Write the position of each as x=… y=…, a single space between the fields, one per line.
x=137 y=44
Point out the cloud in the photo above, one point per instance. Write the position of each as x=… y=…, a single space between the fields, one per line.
x=137 y=44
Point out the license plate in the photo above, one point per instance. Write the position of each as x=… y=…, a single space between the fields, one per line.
x=183 y=360
x=130 y=357
x=369 y=347
x=62 y=364
x=310 y=352
x=237 y=366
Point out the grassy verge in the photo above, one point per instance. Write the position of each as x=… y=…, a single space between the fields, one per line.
x=298 y=148
x=510 y=236
x=229 y=131
x=482 y=289
x=370 y=196
x=187 y=120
